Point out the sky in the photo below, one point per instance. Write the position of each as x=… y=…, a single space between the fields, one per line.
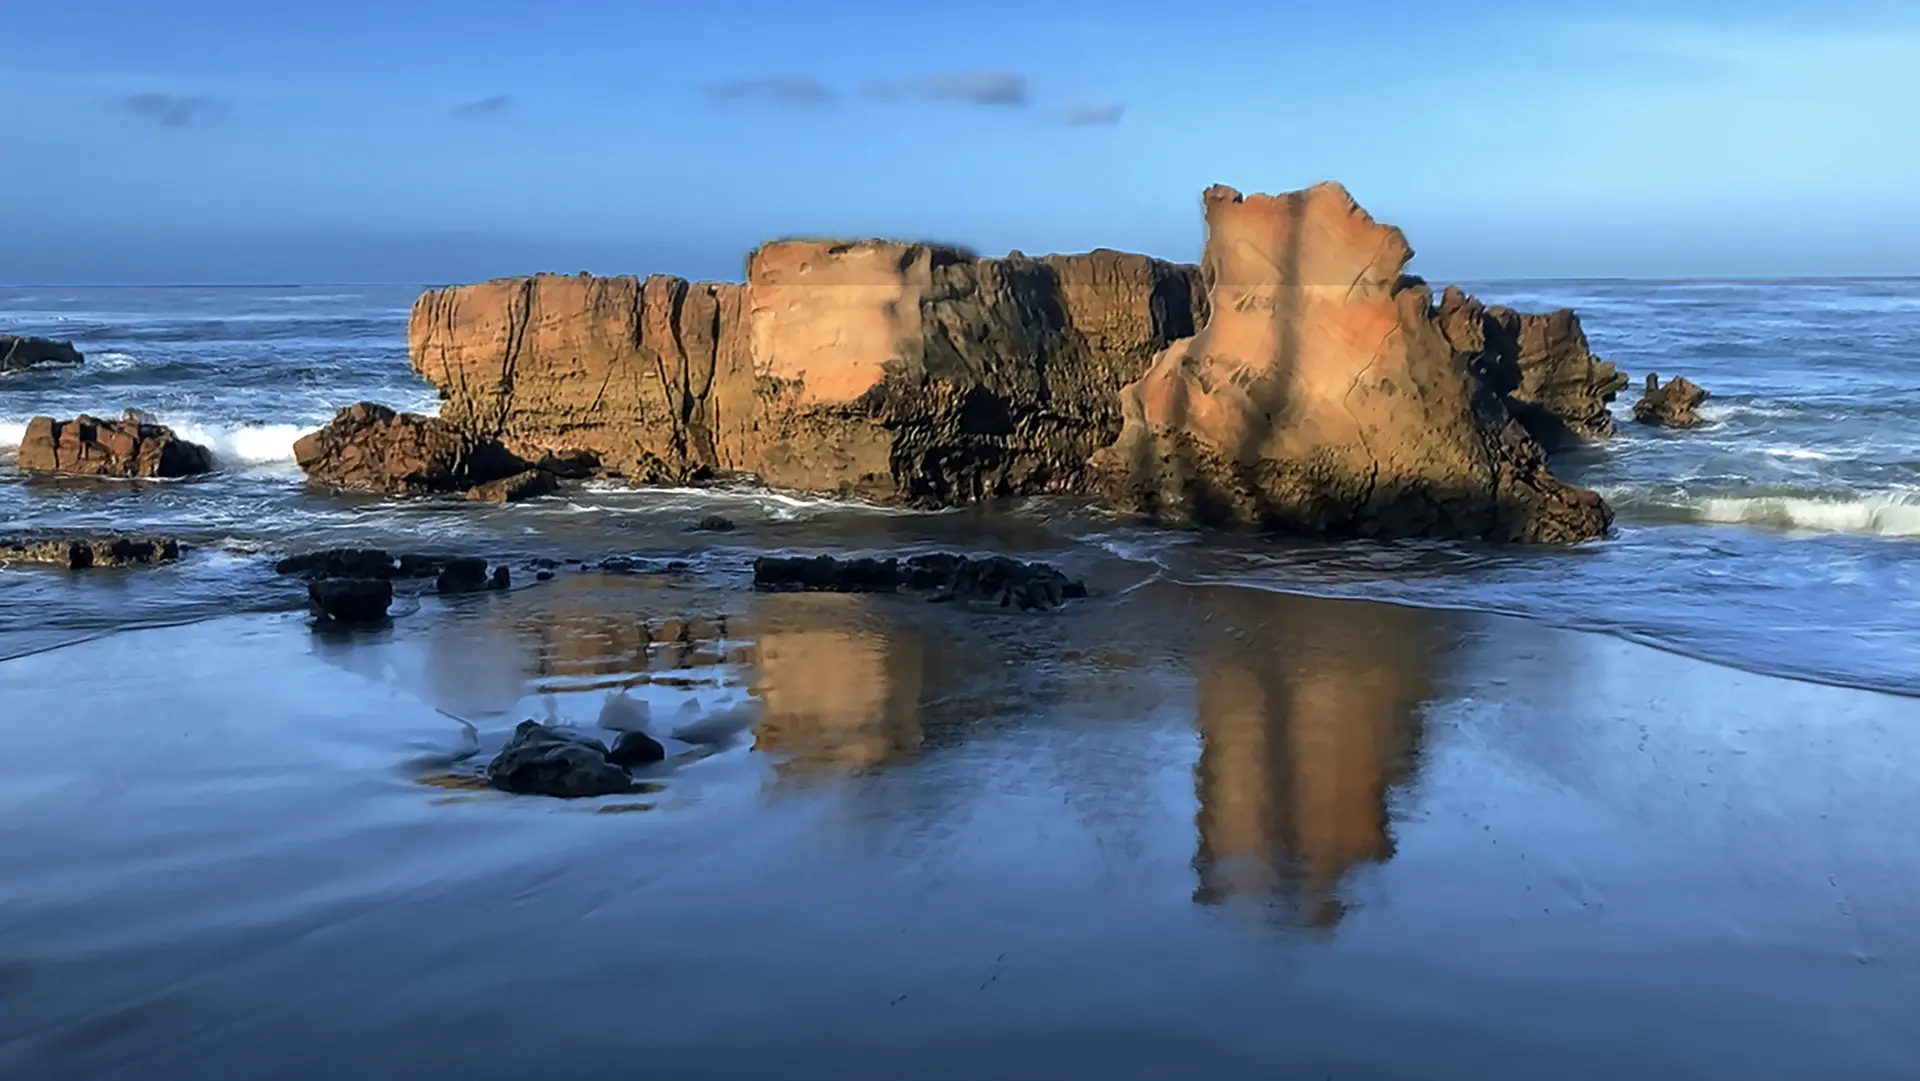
x=427 y=141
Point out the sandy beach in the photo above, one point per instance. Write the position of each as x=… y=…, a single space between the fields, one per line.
x=1173 y=830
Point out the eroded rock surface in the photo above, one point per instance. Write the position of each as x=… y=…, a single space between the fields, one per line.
x=80 y=553
x=369 y=447
x=1676 y=404
x=129 y=447
x=1539 y=364
x=1321 y=397
x=905 y=372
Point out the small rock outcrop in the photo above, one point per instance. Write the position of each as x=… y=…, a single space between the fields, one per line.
x=1322 y=398
x=991 y=580
x=544 y=761
x=369 y=447
x=1676 y=404
x=467 y=574
x=130 y=447
x=633 y=749
x=1539 y=364
x=713 y=523
x=19 y=354
x=80 y=553
x=529 y=484
x=350 y=600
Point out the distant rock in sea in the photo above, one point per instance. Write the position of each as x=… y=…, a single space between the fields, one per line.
x=19 y=354
x=1673 y=405
x=130 y=447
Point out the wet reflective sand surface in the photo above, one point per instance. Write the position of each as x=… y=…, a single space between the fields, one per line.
x=1171 y=832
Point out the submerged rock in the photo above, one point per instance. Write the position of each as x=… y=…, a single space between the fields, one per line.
x=80 y=553
x=543 y=761
x=529 y=484
x=1674 y=405
x=369 y=447
x=339 y=563
x=1321 y=397
x=350 y=600
x=996 y=580
x=129 y=447
x=636 y=749
x=467 y=574
x=714 y=523
x=19 y=354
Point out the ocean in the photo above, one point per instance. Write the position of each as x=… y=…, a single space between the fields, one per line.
x=1782 y=538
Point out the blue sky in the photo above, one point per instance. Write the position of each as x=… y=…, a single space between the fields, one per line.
x=428 y=140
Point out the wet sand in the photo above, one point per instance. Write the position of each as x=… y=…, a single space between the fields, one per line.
x=1180 y=832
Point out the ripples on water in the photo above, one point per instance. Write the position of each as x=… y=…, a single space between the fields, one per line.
x=1780 y=538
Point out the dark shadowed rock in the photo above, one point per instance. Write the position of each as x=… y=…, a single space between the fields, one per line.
x=339 y=563
x=19 y=354
x=636 y=749
x=543 y=761
x=130 y=447
x=369 y=447
x=1539 y=364
x=80 y=553
x=415 y=565
x=994 y=580
x=530 y=484
x=714 y=523
x=501 y=578
x=350 y=600
x=1674 y=405
x=467 y=574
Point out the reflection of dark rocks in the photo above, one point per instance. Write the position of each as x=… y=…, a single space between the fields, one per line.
x=530 y=484
x=636 y=749
x=713 y=523
x=543 y=761
x=350 y=600
x=80 y=553
x=19 y=354
x=130 y=447
x=1675 y=405
x=941 y=576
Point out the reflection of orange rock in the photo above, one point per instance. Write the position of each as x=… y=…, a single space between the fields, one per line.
x=1304 y=728
x=839 y=689
x=1321 y=396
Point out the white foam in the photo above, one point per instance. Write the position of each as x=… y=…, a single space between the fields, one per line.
x=11 y=433
x=237 y=446
x=1885 y=514
x=1803 y=454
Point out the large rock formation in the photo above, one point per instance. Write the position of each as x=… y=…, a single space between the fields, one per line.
x=1540 y=365
x=371 y=448
x=1322 y=397
x=130 y=447
x=19 y=354
x=893 y=371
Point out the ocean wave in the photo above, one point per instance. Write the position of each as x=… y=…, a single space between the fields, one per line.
x=1889 y=513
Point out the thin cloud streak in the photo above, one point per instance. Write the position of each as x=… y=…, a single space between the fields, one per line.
x=782 y=91
x=493 y=106
x=172 y=110
x=1092 y=115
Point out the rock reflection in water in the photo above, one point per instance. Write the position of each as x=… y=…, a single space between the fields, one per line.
x=840 y=683
x=1309 y=713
